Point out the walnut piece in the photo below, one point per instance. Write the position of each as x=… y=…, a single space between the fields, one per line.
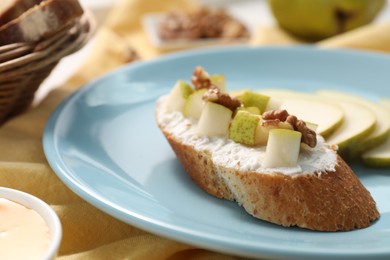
x=309 y=136
x=204 y=22
x=215 y=95
x=200 y=78
x=275 y=114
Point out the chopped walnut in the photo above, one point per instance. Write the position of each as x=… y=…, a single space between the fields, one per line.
x=309 y=136
x=275 y=114
x=224 y=99
x=200 y=78
x=271 y=122
x=202 y=23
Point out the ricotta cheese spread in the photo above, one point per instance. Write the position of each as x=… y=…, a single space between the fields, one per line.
x=234 y=155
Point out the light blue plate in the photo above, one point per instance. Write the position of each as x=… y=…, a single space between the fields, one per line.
x=104 y=144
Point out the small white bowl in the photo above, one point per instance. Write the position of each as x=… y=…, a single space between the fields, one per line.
x=44 y=210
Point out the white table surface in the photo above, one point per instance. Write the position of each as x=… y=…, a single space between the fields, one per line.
x=251 y=12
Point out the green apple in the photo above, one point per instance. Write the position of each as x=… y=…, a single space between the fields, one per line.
x=282 y=148
x=358 y=123
x=194 y=104
x=252 y=99
x=379 y=156
x=382 y=115
x=243 y=127
x=214 y=120
x=178 y=96
x=319 y=19
x=219 y=81
x=262 y=131
x=328 y=116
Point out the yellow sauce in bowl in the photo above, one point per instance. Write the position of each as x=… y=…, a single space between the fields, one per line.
x=23 y=232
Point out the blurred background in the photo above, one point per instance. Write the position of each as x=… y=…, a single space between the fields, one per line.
x=309 y=23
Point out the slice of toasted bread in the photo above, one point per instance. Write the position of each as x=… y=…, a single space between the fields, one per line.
x=330 y=200
x=11 y=9
x=40 y=21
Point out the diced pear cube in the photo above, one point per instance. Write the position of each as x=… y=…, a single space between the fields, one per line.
x=178 y=96
x=194 y=104
x=243 y=128
x=219 y=81
x=262 y=131
x=282 y=148
x=252 y=99
x=252 y=110
x=214 y=120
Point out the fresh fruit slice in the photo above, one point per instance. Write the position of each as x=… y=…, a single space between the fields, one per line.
x=252 y=99
x=312 y=126
x=236 y=93
x=194 y=104
x=282 y=148
x=310 y=108
x=214 y=120
x=385 y=102
x=379 y=156
x=243 y=127
x=273 y=104
x=283 y=93
x=262 y=131
x=327 y=116
x=382 y=115
x=219 y=81
x=178 y=96
x=358 y=123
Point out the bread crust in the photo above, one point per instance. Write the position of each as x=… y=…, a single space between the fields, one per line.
x=329 y=201
x=40 y=21
x=11 y=9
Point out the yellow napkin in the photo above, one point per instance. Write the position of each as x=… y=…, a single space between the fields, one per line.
x=89 y=233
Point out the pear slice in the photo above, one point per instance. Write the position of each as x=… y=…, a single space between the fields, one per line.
x=243 y=127
x=252 y=99
x=385 y=102
x=382 y=115
x=214 y=120
x=312 y=126
x=358 y=123
x=379 y=156
x=328 y=117
x=194 y=104
x=239 y=92
x=219 y=81
x=178 y=96
x=283 y=93
x=282 y=148
x=310 y=108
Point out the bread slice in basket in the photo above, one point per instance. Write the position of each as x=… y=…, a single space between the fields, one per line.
x=320 y=192
x=40 y=19
x=11 y=9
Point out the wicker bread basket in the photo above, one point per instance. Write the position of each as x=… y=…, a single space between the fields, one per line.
x=24 y=66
